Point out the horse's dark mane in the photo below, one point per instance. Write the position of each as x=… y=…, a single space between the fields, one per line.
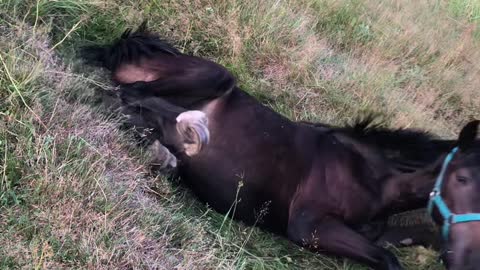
x=407 y=149
x=130 y=47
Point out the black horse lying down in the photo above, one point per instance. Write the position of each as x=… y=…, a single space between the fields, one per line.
x=312 y=183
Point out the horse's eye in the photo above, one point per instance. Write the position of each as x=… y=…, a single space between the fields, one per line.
x=462 y=179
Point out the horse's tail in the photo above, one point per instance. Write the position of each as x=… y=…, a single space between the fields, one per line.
x=131 y=46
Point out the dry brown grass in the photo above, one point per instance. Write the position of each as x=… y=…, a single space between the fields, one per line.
x=75 y=192
x=84 y=190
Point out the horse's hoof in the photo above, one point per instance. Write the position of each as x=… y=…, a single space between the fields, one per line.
x=193 y=126
x=161 y=157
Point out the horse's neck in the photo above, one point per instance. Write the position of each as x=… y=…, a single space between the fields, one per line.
x=409 y=191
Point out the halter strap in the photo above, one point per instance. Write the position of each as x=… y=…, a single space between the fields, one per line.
x=437 y=188
x=436 y=199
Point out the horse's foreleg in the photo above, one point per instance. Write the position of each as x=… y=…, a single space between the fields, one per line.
x=401 y=236
x=372 y=230
x=328 y=234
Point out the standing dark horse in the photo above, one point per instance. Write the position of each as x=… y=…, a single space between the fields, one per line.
x=312 y=183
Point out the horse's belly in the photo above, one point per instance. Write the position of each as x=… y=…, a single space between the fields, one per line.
x=229 y=182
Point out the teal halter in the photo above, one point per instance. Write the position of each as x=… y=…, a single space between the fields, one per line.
x=449 y=218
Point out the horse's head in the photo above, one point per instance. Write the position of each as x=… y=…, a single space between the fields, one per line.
x=455 y=202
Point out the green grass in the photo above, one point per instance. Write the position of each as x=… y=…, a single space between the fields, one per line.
x=76 y=193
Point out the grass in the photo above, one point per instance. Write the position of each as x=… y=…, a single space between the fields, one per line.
x=76 y=193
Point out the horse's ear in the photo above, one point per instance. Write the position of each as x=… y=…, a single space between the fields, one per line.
x=468 y=135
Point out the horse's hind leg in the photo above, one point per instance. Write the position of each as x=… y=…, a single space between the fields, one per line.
x=185 y=131
x=160 y=157
x=189 y=133
x=193 y=128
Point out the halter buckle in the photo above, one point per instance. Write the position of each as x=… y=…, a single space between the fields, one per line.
x=449 y=220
